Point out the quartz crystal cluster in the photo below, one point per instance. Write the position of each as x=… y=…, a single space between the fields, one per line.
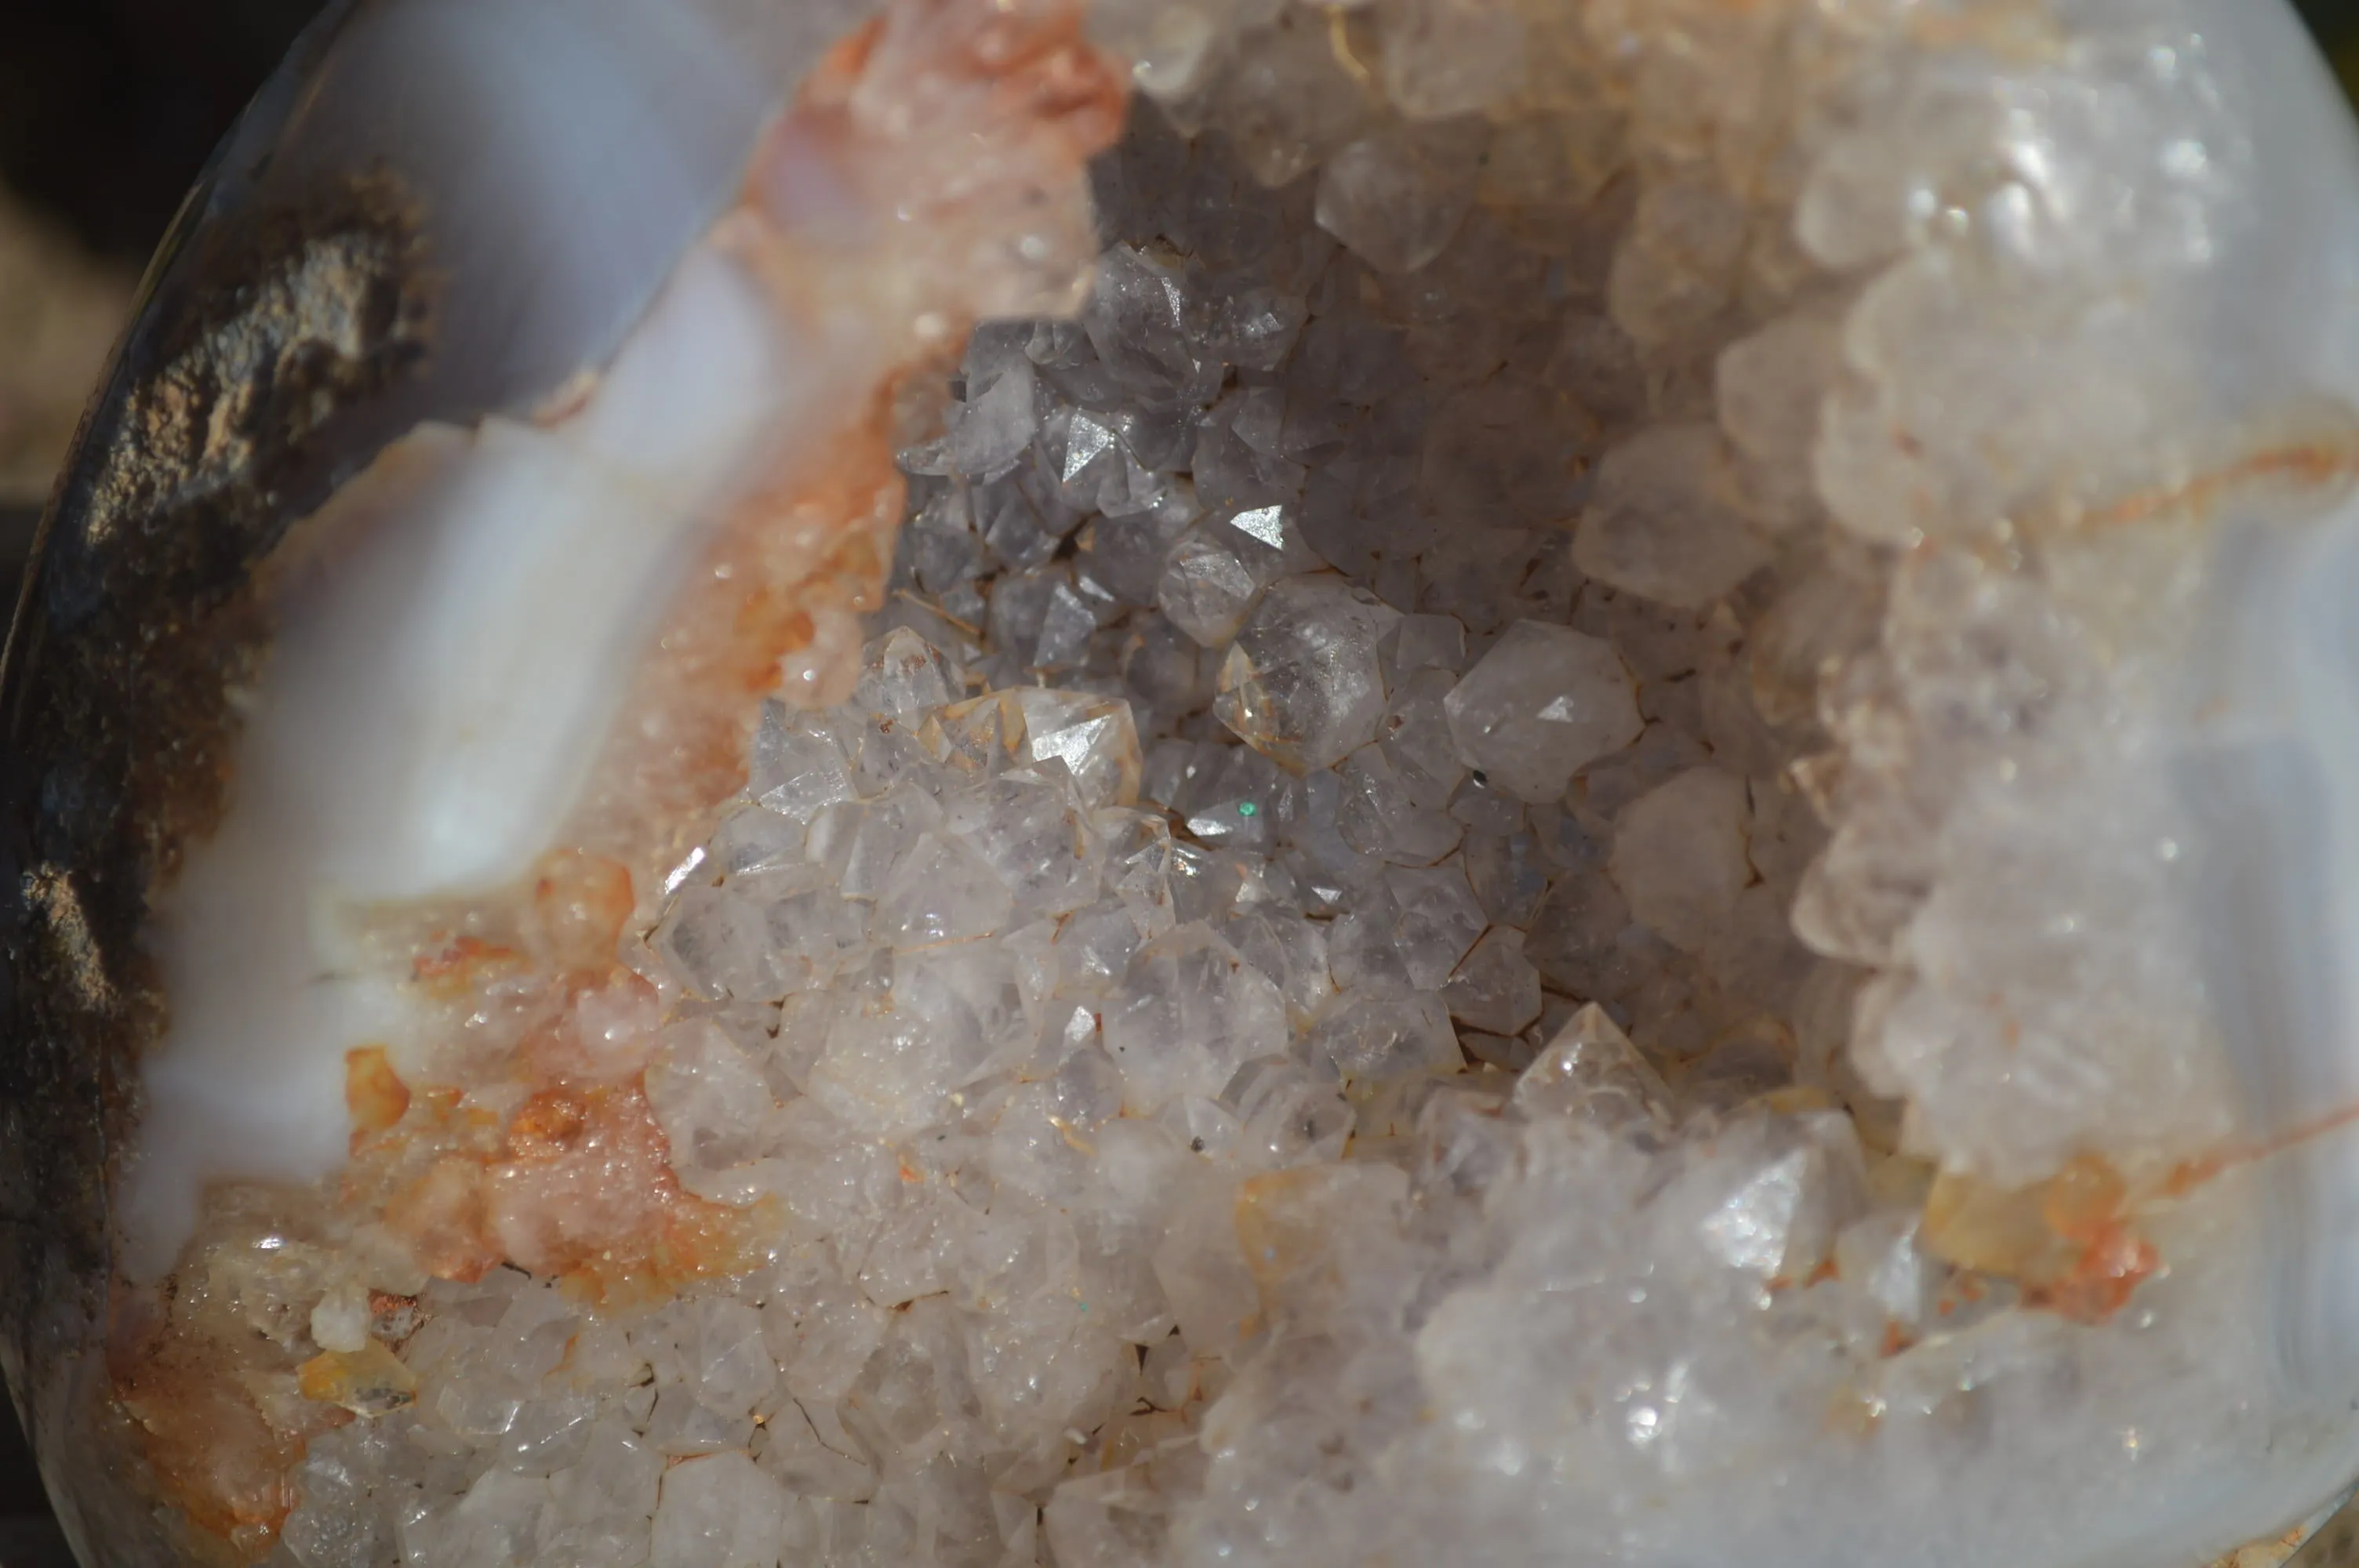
x=1470 y=909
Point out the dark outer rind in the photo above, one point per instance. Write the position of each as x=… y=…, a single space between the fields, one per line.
x=2336 y=1544
x=216 y=428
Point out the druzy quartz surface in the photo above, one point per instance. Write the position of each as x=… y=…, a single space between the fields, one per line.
x=1502 y=782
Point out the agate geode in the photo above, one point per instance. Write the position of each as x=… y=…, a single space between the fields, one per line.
x=1474 y=781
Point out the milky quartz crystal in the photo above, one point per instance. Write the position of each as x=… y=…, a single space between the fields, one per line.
x=1543 y=703
x=1491 y=782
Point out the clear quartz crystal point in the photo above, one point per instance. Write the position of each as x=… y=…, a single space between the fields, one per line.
x=1302 y=683
x=1207 y=782
x=1543 y=702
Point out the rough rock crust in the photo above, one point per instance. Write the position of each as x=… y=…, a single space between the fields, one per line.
x=215 y=429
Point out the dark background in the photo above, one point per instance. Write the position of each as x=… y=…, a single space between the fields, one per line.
x=107 y=110
x=2336 y=23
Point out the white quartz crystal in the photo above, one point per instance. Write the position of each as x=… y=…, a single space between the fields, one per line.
x=1523 y=872
x=1215 y=572
x=1664 y=524
x=719 y=1511
x=1679 y=855
x=1377 y=1031
x=1592 y=1072
x=1192 y=1012
x=1495 y=988
x=1396 y=197
x=1545 y=701
x=1301 y=683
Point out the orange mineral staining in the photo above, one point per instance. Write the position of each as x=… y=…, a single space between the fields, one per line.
x=206 y=1371
x=2313 y=456
x=374 y=1096
x=587 y=1192
x=368 y=1381
x=582 y=903
x=463 y=964
x=2102 y=1278
x=1024 y=70
x=2088 y=1205
x=2074 y=1243
x=443 y=1217
x=1972 y=1224
x=578 y=1184
x=2071 y=1241
x=217 y=1457
x=393 y=1318
x=515 y=1128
